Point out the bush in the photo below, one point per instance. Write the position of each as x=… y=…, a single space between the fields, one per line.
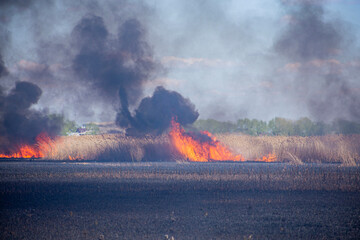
x=69 y=127
x=92 y=129
x=279 y=127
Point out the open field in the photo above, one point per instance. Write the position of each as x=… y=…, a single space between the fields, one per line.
x=40 y=200
x=344 y=149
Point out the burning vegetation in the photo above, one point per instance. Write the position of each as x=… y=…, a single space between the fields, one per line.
x=39 y=149
x=23 y=129
x=342 y=149
x=177 y=145
x=118 y=66
x=200 y=147
x=24 y=152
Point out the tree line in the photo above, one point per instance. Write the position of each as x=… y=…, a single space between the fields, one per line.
x=279 y=127
x=69 y=127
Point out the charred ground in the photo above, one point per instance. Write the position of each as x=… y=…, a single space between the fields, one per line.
x=184 y=201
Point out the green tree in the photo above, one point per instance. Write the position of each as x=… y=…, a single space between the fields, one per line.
x=243 y=125
x=303 y=127
x=342 y=126
x=92 y=129
x=320 y=129
x=214 y=126
x=281 y=126
x=69 y=127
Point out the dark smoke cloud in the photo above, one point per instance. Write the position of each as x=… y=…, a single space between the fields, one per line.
x=309 y=36
x=110 y=66
x=107 y=49
x=18 y=123
x=85 y=65
x=3 y=70
x=16 y=3
x=318 y=47
x=9 y=8
x=22 y=97
x=155 y=113
x=117 y=66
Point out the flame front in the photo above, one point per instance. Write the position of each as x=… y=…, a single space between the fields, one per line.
x=38 y=150
x=25 y=152
x=200 y=151
x=75 y=158
x=271 y=157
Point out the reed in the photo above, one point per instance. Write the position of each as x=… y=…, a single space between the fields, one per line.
x=318 y=149
x=111 y=147
x=344 y=149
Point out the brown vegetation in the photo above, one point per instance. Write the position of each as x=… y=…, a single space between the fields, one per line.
x=343 y=149
x=110 y=147
x=116 y=147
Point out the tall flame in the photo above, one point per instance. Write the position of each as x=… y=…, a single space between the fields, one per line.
x=38 y=150
x=197 y=151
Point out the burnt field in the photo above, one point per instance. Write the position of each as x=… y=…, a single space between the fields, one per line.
x=88 y=200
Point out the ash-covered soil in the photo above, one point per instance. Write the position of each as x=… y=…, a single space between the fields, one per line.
x=42 y=200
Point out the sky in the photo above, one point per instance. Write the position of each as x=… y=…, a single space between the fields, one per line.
x=232 y=58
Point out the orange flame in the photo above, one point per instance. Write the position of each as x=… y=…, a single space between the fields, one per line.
x=78 y=157
x=38 y=150
x=24 y=152
x=269 y=158
x=200 y=151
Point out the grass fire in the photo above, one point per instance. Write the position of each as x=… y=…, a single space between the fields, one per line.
x=200 y=147
x=24 y=152
x=190 y=146
x=155 y=119
x=37 y=150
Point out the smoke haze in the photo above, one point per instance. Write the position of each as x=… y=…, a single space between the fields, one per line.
x=96 y=60
x=118 y=66
x=315 y=47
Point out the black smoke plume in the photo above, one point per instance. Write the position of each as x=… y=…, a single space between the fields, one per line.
x=155 y=113
x=16 y=3
x=318 y=45
x=19 y=124
x=308 y=35
x=3 y=70
x=118 y=66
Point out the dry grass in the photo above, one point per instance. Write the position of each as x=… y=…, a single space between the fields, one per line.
x=297 y=150
x=324 y=149
x=110 y=147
